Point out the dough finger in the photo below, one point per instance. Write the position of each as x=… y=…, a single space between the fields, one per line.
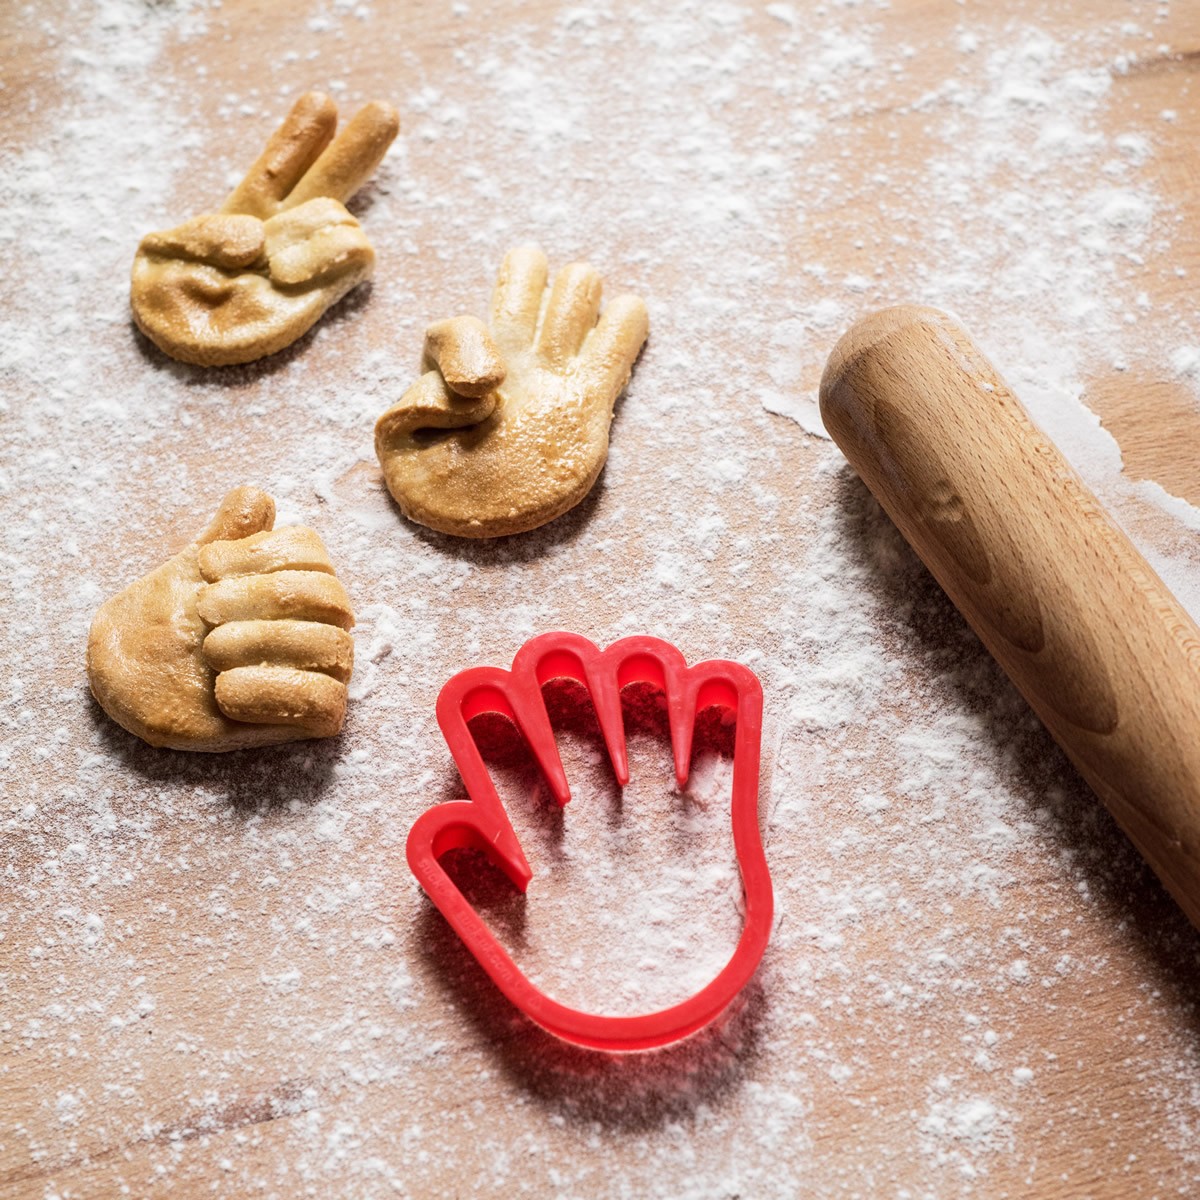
x=244 y=511
x=316 y=241
x=283 y=696
x=463 y=350
x=292 y=149
x=304 y=645
x=351 y=158
x=232 y=241
x=610 y=352
x=517 y=297
x=295 y=595
x=428 y=405
x=570 y=313
x=288 y=548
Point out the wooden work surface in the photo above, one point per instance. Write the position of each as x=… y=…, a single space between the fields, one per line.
x=217 y=977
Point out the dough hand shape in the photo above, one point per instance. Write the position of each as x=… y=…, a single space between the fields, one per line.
x=242 y=283
x=509 y=429
x=239 y=640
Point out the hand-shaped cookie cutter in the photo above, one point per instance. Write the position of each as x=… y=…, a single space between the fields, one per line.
x=508 y=427
x=236 y=285
x=481 y=822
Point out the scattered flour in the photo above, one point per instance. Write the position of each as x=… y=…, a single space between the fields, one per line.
x=908 y=790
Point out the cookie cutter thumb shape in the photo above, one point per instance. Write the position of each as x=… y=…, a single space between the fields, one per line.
x=482 y=823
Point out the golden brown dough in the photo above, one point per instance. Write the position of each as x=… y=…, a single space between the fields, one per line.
x=239 y=640
x=463 y=351
x=512 y=430
x=234 y=286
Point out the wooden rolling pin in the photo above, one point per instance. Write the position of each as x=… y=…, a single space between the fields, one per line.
x=1074 y=614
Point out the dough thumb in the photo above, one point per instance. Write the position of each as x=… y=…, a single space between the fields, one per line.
x=244 y=511
x=429 y=404
x=463 y=350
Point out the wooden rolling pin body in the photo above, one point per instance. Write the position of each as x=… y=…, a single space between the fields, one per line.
x=1078 y=619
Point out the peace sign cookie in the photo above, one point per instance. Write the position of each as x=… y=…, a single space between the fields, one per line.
x=236 y=285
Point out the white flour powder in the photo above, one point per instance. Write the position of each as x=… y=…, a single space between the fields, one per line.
x=249 y=921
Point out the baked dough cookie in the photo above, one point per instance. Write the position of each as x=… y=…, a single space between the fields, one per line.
x=508 y=427
x=239 y=640
x=233 y=286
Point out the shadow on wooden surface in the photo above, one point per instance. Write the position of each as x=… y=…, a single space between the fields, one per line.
x=633 y=1093
x=1059 y=802
x=252 y=781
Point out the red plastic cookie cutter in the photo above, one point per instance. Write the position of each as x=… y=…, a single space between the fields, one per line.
x=482 y=823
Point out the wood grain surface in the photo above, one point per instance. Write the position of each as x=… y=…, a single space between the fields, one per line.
x=217 y=977
x=1093 y=639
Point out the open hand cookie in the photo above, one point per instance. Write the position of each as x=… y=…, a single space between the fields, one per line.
x=233 y=286
x=239 y=640
x=509 y=429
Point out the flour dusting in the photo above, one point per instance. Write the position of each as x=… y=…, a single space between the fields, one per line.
x=217 y=971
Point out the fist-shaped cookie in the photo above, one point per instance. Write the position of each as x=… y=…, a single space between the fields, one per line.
x=239 y=640
x=233 y=286
x=509 y=427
